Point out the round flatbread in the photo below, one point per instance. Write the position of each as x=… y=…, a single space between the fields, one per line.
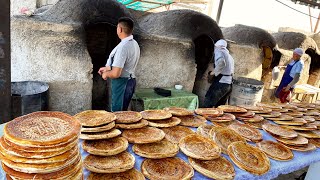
x=252 y=108
x=92 y=118
x=273 y=114
x=275 y=150
x=309 y=119
x=64 y=173
x=309 y=147
x=155 y=114
x=298 y=141
x=59 y=158
x=173 y=121
x=157 y=150
x=257 y=125
x=249 y=158
x=222 y=124
x=309 y=134
x=316 y=142
x=192 y=121
x=306 y=127
x=106 y=147
x=232 y=109
x=143 y=135
x=176 y=133
x=246 y=131
x=224 y=137
x=109 y=164
x=312 y=113
x=274 y=106
x=167 y=168
x=99 y=128
x=199 y=147
x=302 y=110
x=126 y=117
x=248 y=114
x=279 y=131
x=283 y=110
x=295 y=114
x=219 y=168
x=293 y=122
x=224 y=118
x=283 y=117
x=42 y=128
x=255 y=118
x=131 y=174
x=39 y=168
x=140 y=124
x=213 y=112
x=100 y=135
x=36 y=155
x=204 y=130
x=264 y=111
x=317 y=123
x=178 y=111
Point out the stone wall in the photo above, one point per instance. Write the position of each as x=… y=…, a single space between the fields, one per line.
x=164 y=63
x=56 y=54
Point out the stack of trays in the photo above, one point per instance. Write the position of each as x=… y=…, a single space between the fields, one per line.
x=41 y=145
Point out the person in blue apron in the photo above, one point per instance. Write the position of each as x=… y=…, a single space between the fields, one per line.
x=121 y=65
x=221 y=87
x=292 y=73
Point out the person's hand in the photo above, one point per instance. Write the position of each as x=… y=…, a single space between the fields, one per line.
x=104 y=76
x=101 y=70
x=287 y=88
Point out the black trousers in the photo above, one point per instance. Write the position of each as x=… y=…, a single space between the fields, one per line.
x=217 y=94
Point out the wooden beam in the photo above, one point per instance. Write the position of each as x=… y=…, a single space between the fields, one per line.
x=310 y=19
x=5 y=56
x=317 y=23
x=192 y=1
x=219 y=11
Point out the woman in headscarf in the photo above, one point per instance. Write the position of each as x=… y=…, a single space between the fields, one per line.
x=221 y=86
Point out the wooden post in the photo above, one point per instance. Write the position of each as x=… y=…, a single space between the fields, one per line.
x=219 y=11
x=310 y=19
x=317 y=23
x=5 y=56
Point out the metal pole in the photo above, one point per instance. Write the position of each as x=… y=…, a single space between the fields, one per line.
x=219 y=11
x=5 y=56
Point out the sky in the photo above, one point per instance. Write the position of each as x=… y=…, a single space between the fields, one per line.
x=265 y=14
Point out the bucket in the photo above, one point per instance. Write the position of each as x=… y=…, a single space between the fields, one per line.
x=246 y=91
x=28 y=97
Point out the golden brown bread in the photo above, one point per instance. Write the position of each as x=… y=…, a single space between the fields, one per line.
x=176 y=133
x=246 y=131
x=219 y=168
x=273 y=114
x=131 y=174
x=155 y=114
x=100 y=135
x=310 y=134
x=257 y=125
x=205 y=129
x=227 y=117
x=105 y=147
x=293 y=122
x=275 y=150
x=192 y=120
x=109 y=164
x=308 y=147
x=298 y=141
x=255 y=118
x=209 y=111
x=279 y=131
x=316 y=142
x=140 y=124
x=156 y=150
x=127 y=117
x=283 y=117
x=143 y=135
x=173 y=121
x=248 y=158
x=99 y=128
x=232 y=109
x=178 y=111
x=42 y=128
x=199 y=147
x=92 y=118
x=166 y=168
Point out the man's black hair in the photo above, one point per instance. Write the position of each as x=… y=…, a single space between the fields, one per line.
x=127 y=23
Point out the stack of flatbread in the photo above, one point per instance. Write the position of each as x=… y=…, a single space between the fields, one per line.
x=41 y=145
x=129 y=120
x=216 y=116
x=97 y=124
x=160 y=118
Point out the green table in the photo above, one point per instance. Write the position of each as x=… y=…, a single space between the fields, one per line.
x=144 y=99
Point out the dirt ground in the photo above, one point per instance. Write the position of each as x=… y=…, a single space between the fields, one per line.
x=292 y=176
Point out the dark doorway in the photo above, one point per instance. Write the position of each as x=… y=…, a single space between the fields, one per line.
x=101 y=38
x=314 y=71
x=204 y=47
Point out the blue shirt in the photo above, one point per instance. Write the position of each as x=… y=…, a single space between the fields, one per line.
x=297 y=68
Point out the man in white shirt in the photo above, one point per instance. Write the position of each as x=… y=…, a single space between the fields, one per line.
x=121 y=65
x=221 y=87
x=292 y=73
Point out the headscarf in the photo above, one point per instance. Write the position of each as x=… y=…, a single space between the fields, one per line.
x=220 y=48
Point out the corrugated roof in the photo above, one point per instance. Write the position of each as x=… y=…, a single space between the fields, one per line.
x=145 y=5
x=311 y=3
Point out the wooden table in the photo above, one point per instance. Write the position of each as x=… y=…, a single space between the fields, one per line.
x=305 y=90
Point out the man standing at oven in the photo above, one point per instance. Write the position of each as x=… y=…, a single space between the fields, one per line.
x=121 y=65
